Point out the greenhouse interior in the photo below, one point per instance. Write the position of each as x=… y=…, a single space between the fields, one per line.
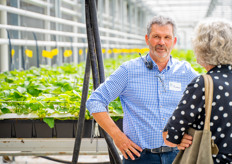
x=46 y=47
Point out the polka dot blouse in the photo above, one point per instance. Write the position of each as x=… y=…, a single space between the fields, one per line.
x=191 y=112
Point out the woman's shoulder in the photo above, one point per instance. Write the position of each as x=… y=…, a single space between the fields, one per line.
x=197 y=81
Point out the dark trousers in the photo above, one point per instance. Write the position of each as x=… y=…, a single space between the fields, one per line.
x=153 y=158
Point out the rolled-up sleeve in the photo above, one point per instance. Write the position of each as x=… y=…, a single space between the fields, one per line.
x=108 y=91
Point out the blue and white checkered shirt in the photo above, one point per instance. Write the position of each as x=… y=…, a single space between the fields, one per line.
x=148 y=97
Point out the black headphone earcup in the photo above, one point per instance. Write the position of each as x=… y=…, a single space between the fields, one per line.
x=149 y=64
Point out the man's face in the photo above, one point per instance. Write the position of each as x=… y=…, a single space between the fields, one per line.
x=160 y=41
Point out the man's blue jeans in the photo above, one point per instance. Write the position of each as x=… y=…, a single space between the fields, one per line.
x=153 y=158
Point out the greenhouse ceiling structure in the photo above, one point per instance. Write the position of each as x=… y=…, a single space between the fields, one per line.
x=188 y=12
x=30 y=27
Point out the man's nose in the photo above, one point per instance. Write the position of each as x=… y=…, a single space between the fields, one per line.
x=161 y=41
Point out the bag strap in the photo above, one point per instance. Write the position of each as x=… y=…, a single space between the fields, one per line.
x=208 y=100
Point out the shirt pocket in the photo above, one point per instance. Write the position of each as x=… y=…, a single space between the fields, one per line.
x=172 y=99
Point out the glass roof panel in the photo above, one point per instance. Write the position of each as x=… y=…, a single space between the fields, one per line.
x=189 y=12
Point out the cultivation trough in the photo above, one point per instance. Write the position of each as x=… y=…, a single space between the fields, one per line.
x=29 y=126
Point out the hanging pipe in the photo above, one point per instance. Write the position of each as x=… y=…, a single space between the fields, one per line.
x=93 y=18
x=37 y=49
x=56 y=47
x=94 y=22
x=91 y=48
x=71 y=40
x=22 y=55
x=91 y=58
x=10 y=50
x=81 y=120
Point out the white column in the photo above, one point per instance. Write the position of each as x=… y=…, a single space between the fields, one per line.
x=107 y=12
x=47 y=36
x=75 y=39
x=4 y=57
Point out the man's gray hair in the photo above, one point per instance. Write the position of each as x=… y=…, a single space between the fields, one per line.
x=161 y=20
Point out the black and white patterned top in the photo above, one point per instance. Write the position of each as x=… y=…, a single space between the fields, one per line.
x=191 y=112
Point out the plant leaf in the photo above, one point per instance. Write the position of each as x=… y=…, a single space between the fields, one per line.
x=5 y=110
x=49 y=121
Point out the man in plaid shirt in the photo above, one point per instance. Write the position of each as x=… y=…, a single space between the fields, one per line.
x=149 y=88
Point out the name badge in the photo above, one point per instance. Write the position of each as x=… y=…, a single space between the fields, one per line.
x=174 y=86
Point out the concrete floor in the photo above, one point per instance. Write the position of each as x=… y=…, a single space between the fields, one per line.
x=37 y=160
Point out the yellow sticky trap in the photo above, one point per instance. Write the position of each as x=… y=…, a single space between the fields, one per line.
x=54 y=52
x=29 y=53
x=123 y=50
x=133 y=50
x=47 y=54
x=12 y=52
x=103 y=50
x=80 y=52
x=115 y=50
x=144 y=50
x=109 y=51
x=67 y=53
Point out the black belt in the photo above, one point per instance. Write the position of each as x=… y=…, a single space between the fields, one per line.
x=162 y=149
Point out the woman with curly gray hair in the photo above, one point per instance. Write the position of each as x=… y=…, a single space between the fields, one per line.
x=212 y=45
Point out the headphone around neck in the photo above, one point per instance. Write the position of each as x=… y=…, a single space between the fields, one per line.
x=148 y=64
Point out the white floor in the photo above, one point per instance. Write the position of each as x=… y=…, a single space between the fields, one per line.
x=38 y=160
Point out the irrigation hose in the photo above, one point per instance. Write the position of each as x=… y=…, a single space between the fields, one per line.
x=81 y=120
x=93 y=18
x=68 y=162
x=112 y=149
x=95 y=72
x=91 y=47
x=94 y=22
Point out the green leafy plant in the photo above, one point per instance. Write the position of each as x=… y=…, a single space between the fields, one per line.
x=46 y=91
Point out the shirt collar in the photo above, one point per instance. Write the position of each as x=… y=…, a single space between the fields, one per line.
x=168 y=66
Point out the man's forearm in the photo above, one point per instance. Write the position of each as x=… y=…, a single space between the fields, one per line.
x=105 y=121
x=124 y=144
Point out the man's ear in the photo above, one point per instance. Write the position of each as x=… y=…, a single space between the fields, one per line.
x=146 y=39
x=175 y=40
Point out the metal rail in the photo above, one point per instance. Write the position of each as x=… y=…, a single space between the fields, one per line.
x=63 y=21
x=50 y=146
